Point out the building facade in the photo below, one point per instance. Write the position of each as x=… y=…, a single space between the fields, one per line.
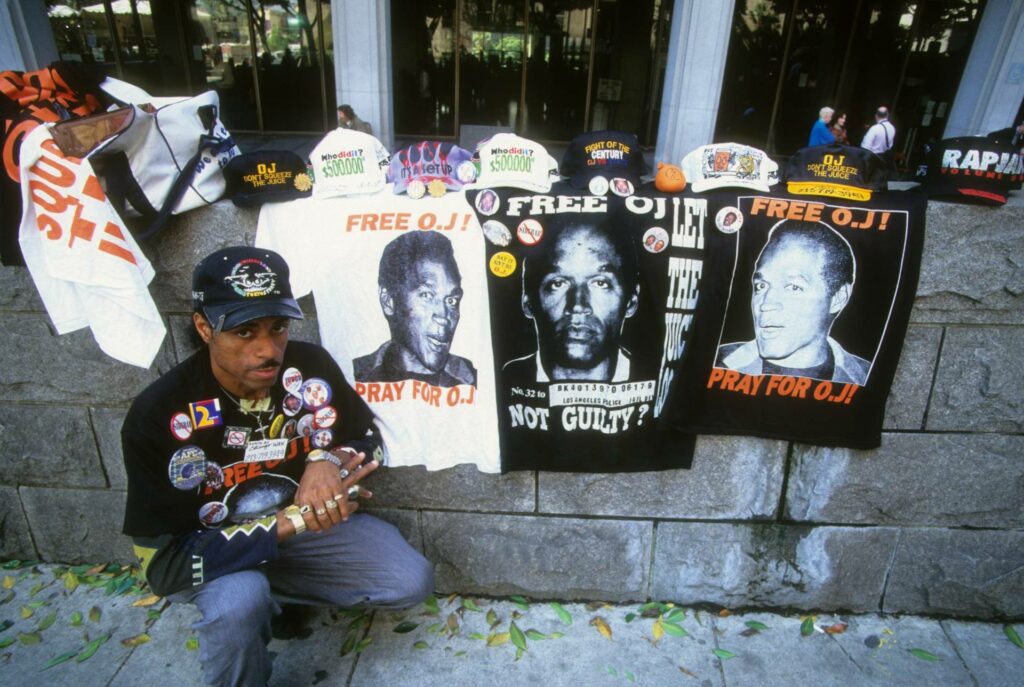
x=678 y=73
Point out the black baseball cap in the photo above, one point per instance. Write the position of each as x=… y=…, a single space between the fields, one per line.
x=238 y=284
x=608 y=154
x=973 y=169
x=835 y=171
x=266 y=176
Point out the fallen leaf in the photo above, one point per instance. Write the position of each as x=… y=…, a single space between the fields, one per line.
x=477 y=635
x=6 y=642
x=76 y=619
x=517 y=636
x=147 y=601
x=459 y=653
x=435 y=628
x=516 y=615
x=47 y=622
x=749 y=633
x=470 y=605
x=29 y=638
x=70 y=581
x=406 y=626
x=535 y=635
x=555 y=635
x=630 y=617
x=420 y=645
x=595 y=605
x=756 y=626
x=451 y=598
x=192 y=643
x=658 y=631
x=686 y=672
x=38 y=587
x=562 y=614
x=675 y=615
x=807 y=626
x=57 y=660
x=492 y=618
x=363 y=643
x=674 y=629
x=836 y=628
x=453 y=623
x=724 y=613
x=520 y=601
x=724 y=654
x=153 y=614
x=96 y=569
x=519 y=653
x=1012 y=635
x=431 y=605
x=602 y=627
x=498 y=639
x=135 y=641
x=26 y=612
x=8 y=582
x=923 y=655
x=6 y=625
x=95 y=614
x=91 y=648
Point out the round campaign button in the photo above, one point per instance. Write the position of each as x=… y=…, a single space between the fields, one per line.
x=622 y=187
x=436 y=188
x=181 y=426
x=212 y=513
x=655 y=240
x=497 y=233
x=466 y=172
x=291 y=380
x=315 y=393
x=729 y=220
x=291 y=405
x=487 y=202
x=305 y=426
x=322 y=438
x=325 y=417
x=529 y=232
x=416 y=189
x=288 y=431
x=502 y=264
x=275 y=426
x=598 y=186
x=187 y=468
x=214 y=475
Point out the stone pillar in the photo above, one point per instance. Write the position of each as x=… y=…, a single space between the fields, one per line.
x=362 y=63
x=698 y=46
x=26 y=41
x=993 y=81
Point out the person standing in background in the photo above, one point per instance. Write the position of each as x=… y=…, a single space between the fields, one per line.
x=839 y=130
x=347 y=119
x=821 y=135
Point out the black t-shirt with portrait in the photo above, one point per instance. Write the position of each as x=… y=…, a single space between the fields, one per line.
x=800 y=327
x=586 y=330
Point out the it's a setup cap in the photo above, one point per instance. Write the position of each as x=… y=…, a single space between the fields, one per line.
x=604 y=161
x=973 y=169
x=516 y=162
x=347 y=162
x=266 y=176
x=431 y=166
x=729 y=165
x=235 y=285
x=835 y=171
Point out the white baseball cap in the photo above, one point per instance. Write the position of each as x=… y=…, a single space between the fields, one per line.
x=516 y=162
x=348 y=162
x=729 y=165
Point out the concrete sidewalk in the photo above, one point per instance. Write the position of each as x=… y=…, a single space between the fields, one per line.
x=50 y=613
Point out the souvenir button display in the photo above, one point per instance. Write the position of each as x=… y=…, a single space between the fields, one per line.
x=322 y=438
x=325 y=417
x=212 y=513
x=291 y=380
x=187 y=468
x=315 y=393
x=181 y=426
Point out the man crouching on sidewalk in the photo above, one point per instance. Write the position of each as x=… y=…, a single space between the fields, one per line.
x=243 y=466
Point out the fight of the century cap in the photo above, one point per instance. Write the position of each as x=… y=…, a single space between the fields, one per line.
x=266 y=176
x=614 y=157
x=235 y=285
x=729 y=165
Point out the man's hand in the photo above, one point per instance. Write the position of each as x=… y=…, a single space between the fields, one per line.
x=325 y=491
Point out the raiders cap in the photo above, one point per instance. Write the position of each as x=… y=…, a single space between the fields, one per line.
x=239 y=284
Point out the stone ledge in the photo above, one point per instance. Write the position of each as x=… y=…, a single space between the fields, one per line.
x=827 y=568
x=908 y=397
x=15 y=540
x=731 y=478
x=912 y=479
x=47 y=445
x=106 y=422
x=77 y=525
x=978 y=382
x=564 y=558
x=977 y=574
x=462 y=487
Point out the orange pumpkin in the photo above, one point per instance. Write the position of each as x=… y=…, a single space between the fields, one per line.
x=669 y=178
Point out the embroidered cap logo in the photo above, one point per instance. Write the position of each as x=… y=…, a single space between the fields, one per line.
x=252 y=278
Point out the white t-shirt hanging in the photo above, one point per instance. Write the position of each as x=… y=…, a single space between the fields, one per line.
x=401 y=301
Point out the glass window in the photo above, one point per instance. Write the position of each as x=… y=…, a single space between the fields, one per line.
x=423 y=63
x=490 y=61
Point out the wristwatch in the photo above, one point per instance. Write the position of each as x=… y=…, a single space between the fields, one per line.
x=294 y=516
x=317 y=456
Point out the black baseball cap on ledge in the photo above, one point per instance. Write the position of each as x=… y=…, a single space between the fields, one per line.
x=239 y=284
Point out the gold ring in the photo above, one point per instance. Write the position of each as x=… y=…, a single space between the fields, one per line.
x=353 y=492
x=339 y=497
x=321 y=512
x=305 y=509
x=331 y=504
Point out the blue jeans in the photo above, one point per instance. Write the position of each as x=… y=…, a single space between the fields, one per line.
x=363 y=562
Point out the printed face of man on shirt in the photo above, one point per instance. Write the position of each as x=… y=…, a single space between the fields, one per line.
x=579 y=305
x=791 y=304
x=423 y=315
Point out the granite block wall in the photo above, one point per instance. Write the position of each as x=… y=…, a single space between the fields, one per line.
x=931 y=522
